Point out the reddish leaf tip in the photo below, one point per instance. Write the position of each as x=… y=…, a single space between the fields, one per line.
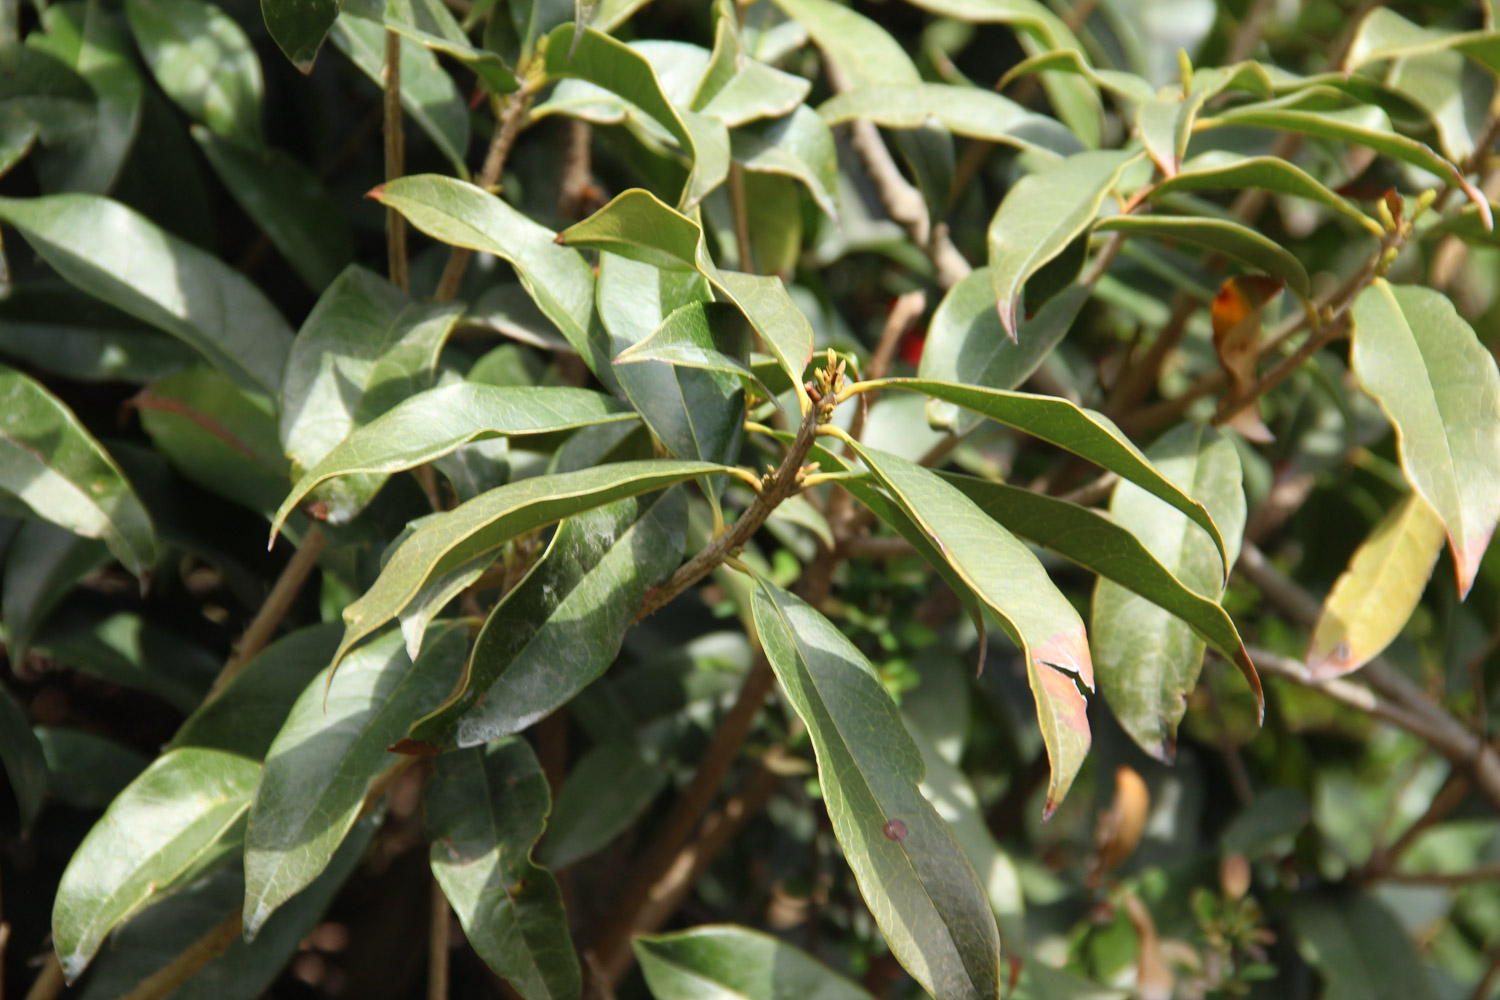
x=560 y=240
x=377 y=192
x=416 y=748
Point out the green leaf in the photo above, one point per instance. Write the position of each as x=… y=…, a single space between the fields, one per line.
x=1040 y=216
x=965 y=342
x=119 y=647
x=561 y=627
x=428 y=93
x=1004 y=575
x=319 y=768
x=1224 y=236
x=638 y=226
x=1359 y=947
x=866 y=54
x=1385 y=35
x=1227 y=171
x=1468 y=225
x=1165 y=123
x=725 y=960
x=708 y=336
x=910 y=867
x=24 y=759
x=1149 y=657
x=607 y=789
x=1128 y=86
x=216 y=435
x=799 y=146
x=485 y=810
x=42 y=564
x=85 y=771
x=966 y=111
x=42 y=97
x=110 y=252
x=557 y=278
x=1376 y=594
x=446 y=541
x=1439 y=388
x=52 y=464
x=738 y=89
x=287 y=201
x=1084 y=432
x=621 y=70
x=48 y=325
x=1364 y=126
x=159 y=827
x=245 y=716
x=299 y=27
x=430 y=23
x=203 y=61
x=365 y=347
x=1105 y=547
x=433 y=423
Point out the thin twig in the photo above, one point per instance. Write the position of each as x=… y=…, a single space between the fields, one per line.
x=741 y=214
x=438 y=945
x=395 y=159
x=50 y=981
x=164 y=981
x=278 y=602
x=1487 y=873
x=1448 y=798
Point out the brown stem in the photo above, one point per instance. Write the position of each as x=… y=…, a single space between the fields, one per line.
x=741 y=218
x=507 y=130
x=576 y=192
x=395 y=160
x=613 y=946
x=49 y=982
x=438 y=945
x=1448 y=798
x=1488 y=873
x=278 y=602
x=164 y=981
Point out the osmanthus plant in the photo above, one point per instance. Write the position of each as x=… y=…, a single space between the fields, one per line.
x=661 y=528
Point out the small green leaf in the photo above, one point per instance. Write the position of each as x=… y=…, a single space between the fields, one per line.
x=1227 y=171
x=738 y=89
x=607 y=789
x=966 y=111
x=299 y=27
x=446 y=541
x=1149 y=659
x=1040 y=216
x=84 y=770
x=485 y=809
x=159 y=827
x=114 y=254
x=863 y=50
x=288 y=202
x=319 y=768
x=799 y=146
x=910 y=867
x=1224 y=236
x=24 y=759
x=431 y=424
x=616 y=67
x=725 y=960
x=1385 y=35
x=561 y=627
x=1376 y=594
x=557 y=278
x=1130 y=87
x=52 y=464
x=1439 y=387
x=1359 y=947
x=1084 y=432
x=1165 y=123
x=204 y=62
x=365 y=347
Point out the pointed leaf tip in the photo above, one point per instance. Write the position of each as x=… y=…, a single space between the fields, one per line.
x=414 y=748
x=377 y=192
x=560 y=240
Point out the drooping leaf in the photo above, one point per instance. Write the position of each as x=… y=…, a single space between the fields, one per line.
x=299 y=27
x=428 y=93
x=1224 y=236
x=636 y=225
x=1148 y=657
x=966 y=111
x=446 y=541
x=245 y=716
x=1439 y=387
x=42 y=563
x=25 y=762
x=1373 y=598
x=562 y=626
x=485 y=809
x=1040 y=216
x=430 y=424
x=116 y=255
x=724 y=960
x=159 y=827
x=203 y=61
x=909 y=865
x=616 y=67
x=289 y=203
x=1004 y=575
x=85 y=770
x=556 y=277
x=1084 y=432
x=120 y=647
x=431 y=24
x=736 y=88
x=365 y=347
x=799 y=146
x=607 y=789
x=48 y=325
x=53 y=465
x=1226 y=171
x=319 y=768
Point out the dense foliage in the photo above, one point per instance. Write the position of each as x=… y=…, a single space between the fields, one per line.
x=767 y=499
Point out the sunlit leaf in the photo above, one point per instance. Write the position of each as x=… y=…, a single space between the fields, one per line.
x=725 y=960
